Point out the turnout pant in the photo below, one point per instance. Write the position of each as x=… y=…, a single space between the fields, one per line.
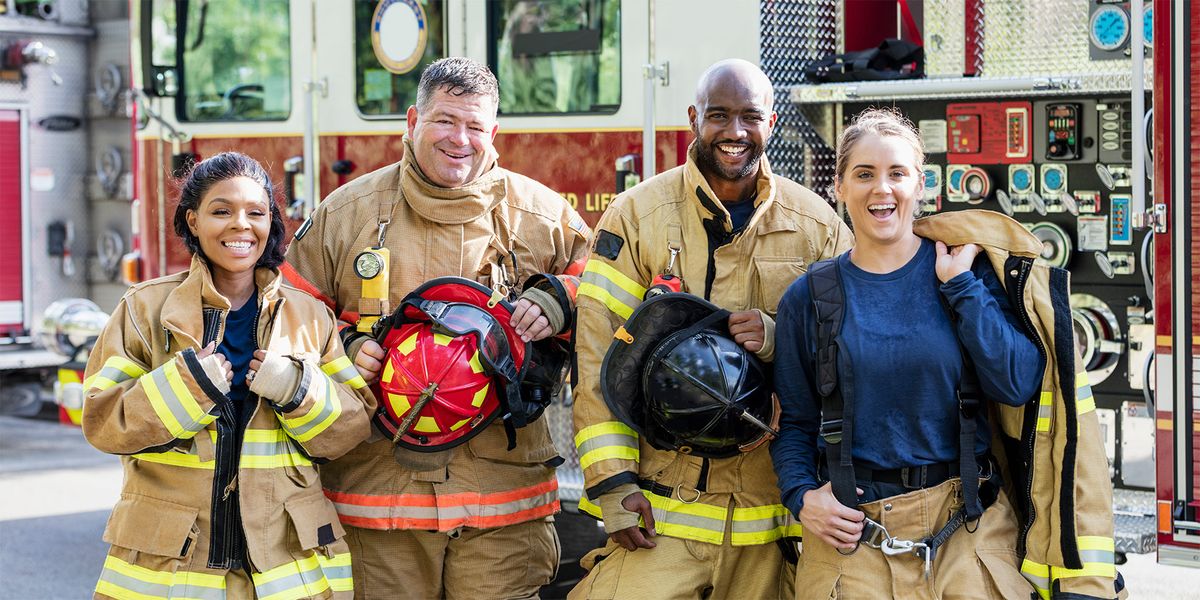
x=511 y=562
x=982 y=564
x=678 y=569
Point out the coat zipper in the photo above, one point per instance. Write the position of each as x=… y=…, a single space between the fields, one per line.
x=1023 y=311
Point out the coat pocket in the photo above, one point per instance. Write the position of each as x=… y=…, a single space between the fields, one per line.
x=315 y=521
x=153 y=526
x=773 y=276
x=817 y=581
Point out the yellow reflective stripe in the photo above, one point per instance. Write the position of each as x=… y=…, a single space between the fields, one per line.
x=343 y=371
x=173 y=403
x=763 y=524
x=338 y=571
x=1038 y=575
x=606 y=441
x=261 y=449
x=120 y=579
x=116 y=370
x=319 y=417
x=303 y=578
x=611 y=287
x=176 y=459
x=1045 y=410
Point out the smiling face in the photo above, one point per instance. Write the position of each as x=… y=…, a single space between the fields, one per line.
x=881 y=187
x=732 y=121
x=452 y=137
x=232 y=224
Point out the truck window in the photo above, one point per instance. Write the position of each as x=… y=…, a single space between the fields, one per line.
x=556 y=56
x=394 y=40
x=235 y=61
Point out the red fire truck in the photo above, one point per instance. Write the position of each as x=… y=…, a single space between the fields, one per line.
x=1042 y=109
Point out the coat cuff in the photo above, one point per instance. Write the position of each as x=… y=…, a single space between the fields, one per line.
x=277 y=379
x=767 y=353
x=212 y=370
x=549 y=305
x=614 y=514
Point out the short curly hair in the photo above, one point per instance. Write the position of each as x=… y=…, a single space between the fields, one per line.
x=208 y=173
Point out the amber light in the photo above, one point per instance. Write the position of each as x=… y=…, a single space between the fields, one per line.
x=131 y=267
x=1164 y=517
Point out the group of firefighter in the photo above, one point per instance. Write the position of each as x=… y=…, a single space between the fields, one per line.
x=358 y=410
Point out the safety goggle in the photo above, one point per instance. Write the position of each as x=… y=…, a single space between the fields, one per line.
x=457 y=319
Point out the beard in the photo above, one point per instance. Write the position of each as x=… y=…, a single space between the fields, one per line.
x=706 y=159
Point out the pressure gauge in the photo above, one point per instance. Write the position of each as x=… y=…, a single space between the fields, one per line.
x=1020 y=179
x=1148 y=24
x=367 y=264
x=1109 y=27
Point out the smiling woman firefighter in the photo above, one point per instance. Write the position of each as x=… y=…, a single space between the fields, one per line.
x=936 y=438
x=221 y=387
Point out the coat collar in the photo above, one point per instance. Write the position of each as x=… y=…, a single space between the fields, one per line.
x=984 y=227
x=450 y=206
x=183 y=306
x=705 y=199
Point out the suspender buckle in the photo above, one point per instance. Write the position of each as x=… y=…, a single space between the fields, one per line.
x=831 y=431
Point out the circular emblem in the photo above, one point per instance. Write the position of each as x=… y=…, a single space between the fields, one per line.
x=398 y=34
x=367 y=264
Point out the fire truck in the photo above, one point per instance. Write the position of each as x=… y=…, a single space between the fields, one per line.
x=1071 y=116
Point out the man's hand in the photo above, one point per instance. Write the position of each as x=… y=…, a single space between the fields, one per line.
x=632 y=538
x=955 y=261
x=529 y=322
x=226 y=366
x=369 y=360
x=831 y=521
x=748 y=329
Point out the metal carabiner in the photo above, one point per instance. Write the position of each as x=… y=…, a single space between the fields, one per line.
x=674 y=250
x=894 y=547
x=874 y=534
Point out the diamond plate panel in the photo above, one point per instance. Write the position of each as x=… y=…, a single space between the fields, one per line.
x=1042 y=37
x=793 y=34
x=945 y=38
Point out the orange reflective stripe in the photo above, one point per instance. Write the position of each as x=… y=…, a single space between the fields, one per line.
x=446 y=511
x=298 y=281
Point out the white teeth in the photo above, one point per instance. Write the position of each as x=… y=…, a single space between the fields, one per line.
x=238 y=245
x=881 y=207
x=732 y=149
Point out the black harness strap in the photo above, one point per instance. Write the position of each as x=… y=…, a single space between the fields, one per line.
x=837 y=414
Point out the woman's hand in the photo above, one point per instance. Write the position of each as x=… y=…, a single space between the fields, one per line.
x=954 y=261
x=835 y=524
x=226 y=366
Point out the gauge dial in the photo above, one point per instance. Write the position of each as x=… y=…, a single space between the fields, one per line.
x=1052 y=179
x=1148 y=24
x=1109 y=27
x=1021 y=180
x=367 y=264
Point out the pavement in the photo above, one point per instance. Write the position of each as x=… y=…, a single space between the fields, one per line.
x=56 y=492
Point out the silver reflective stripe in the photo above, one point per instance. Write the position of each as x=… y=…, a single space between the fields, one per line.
x=611 y=287
x=1041 y=583
x=334 y=573
x=114 y=374
x=385 y=512
x=304 y=578
x=491 y=510
x=158 y=590
x=759 y=525
x=1096 y=556
x=608 y=439
x=331 y=403
x=665 y=516
x=345 y=374
x=173 y=403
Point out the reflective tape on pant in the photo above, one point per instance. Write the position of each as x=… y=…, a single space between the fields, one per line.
x=1095 y=552
x=605 y=441
x=116 y=370
x=309 y=577
x=443 y=512
x=762 y=524
x=120 y=579
x=343 y=371
x=616 y=290
x=173 y=402
x=261 y=449
x=322 y=413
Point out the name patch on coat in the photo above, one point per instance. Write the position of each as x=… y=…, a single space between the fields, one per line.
x=609 y=244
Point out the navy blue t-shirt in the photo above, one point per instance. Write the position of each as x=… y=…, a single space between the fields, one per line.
x=906 y=363
x=740 y=213
x=238 y=346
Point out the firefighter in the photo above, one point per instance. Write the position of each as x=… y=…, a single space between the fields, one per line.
x=722 y=227
x=893 y=363
x=220 y=387
x=474 y=521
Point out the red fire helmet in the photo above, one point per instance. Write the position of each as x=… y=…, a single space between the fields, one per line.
x=451 y=358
